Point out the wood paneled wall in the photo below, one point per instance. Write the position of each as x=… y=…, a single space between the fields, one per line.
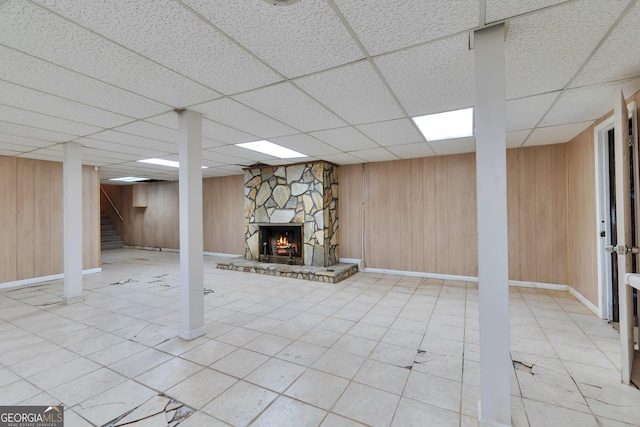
x=537 y=209
x=31 y=218
x=420 y=214
x=157 y=225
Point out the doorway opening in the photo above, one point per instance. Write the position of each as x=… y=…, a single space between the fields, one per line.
x=606 y=215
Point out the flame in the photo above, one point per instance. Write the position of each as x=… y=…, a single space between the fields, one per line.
x=283 y=245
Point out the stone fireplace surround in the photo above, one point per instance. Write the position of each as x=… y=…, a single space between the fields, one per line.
x=304 y=193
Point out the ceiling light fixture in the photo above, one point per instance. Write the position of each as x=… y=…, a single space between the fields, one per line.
x=275 y=150
x=163 y=162
x=448 y=125
x=129 y=179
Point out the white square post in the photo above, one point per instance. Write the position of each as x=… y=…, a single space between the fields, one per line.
x=493 y=261
x=191 y=240
x=72 y=222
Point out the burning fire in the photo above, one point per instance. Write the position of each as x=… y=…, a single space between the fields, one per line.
x=283 y=245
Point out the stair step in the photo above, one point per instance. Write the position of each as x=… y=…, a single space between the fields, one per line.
x=109 y=237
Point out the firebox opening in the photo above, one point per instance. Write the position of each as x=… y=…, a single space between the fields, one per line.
x=281 y=244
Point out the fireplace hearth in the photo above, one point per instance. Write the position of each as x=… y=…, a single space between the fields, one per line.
x=281 y=243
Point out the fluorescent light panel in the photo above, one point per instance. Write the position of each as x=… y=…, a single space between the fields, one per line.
x=448 y=125
x=129 y=179
x=164 y=162
x=271 y=149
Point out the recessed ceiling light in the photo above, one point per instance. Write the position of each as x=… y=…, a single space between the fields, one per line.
x=449 y=125
x=163 y=162
x=129 y=179
x=275 y=150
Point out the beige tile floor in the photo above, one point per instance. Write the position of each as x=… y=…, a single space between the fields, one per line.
x=380 y=350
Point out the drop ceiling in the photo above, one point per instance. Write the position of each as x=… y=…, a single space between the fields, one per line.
x=338 y=80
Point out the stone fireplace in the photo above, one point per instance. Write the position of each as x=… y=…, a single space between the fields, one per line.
x=303 y=196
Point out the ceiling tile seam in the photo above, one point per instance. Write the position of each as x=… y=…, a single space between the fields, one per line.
x=584 y=64
x=53 y=117
x=87 y=76
x=39 y=128
x=534 y=11
x=385 y=83
x=608 y=82
x=66 y=99
x=46 y=9
x=164 y=153
x=231 y=39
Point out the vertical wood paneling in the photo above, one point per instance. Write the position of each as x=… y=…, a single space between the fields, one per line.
x=56 y=223
x=513 y=212
x=41 y=226
x=559 y=215
x=442 y=214
x=543 y=214
x=90 y=217
x=396 y=234
x=429 y=215
x=372 y=215
x=454 y=214
x=469 y=218
x=25 y=213
x=527 y=191
x=8 y=235
x=415 y=200
x=350 y=211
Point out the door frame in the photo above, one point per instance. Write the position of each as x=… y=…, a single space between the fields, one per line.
x=604 y=264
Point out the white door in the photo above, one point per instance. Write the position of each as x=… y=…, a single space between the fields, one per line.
x=623 y=226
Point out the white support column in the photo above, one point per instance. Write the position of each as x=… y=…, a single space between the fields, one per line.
x=191 y=240
x=72 y=222
x=493 y=266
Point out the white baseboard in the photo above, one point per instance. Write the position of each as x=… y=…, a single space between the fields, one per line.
x=353 y=261
x=538 y=285
x=41 y=279
x=222 y=255
x=418 y=274
x=584 y=301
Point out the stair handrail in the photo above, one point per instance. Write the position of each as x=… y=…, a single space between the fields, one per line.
x=112 y=205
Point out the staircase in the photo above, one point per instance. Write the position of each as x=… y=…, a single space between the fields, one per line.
x=109 y=237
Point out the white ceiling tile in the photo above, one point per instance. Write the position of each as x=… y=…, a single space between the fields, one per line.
x=500 y=9
x=149 y=130
x=283 y=37
x=233 y=114
x=393 y=132
x=218 y=157
x=242 y=153
x=168 y=119
x=342 y=159
x=454 y=146
x=375 y=155
x=556 y=134
x=14 y=148
x=383 y=26
x=433 y=78
x=151 y=145
x=43 y=154
x=290 y=105
x=27 y=142
x=283 y=162
x=40 y=102
x=515 y=139
x=224 y=134
x=354 y=92
x=29 y=118
x=173 y=36
x=141 y=152
x=524 y=113
x=211 y=143
x=305 y=144
x=345 y=139
x=115 y=156
x=587 y=103
x=29 y=71
x=9 y=153
x=31 y=132
x=30 y=29
x=544 y=50
x=412 y=151
x=622 y=44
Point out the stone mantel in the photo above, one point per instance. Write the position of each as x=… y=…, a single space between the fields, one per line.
x=302 y=193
